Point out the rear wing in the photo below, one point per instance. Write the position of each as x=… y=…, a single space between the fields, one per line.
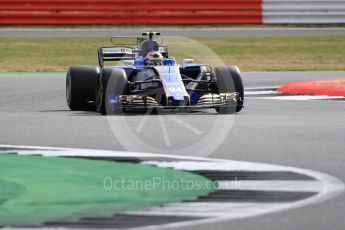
x=115 y=53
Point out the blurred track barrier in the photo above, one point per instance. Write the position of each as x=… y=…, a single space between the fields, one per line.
x=130 y=12
x=303 y=11
x=173 y=12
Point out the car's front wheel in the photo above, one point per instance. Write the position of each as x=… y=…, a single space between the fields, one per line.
x=229 y=79
x=111 y=83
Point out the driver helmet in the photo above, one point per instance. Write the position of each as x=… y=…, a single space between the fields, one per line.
x=154 y=58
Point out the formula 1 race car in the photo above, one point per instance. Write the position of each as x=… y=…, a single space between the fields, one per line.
x=150 y=80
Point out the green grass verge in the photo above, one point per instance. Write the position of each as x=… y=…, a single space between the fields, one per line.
x=36 y=189
x=317 y=53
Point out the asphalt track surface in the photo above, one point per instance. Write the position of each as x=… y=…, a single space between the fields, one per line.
x=305 y=134
x=182 y=32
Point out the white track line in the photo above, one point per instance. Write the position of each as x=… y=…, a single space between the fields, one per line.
x=302 y=98
x=212 y=209
x=258 y=88
x=216 y=166
x=269 y=185
x=263 y=92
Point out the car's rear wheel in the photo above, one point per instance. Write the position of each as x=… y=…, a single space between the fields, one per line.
x=111 y=83
x=229 y=80
x=80 y=87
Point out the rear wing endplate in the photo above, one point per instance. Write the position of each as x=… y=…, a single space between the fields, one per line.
x=116 y=53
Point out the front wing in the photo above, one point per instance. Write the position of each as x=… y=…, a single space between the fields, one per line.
x=142 y=103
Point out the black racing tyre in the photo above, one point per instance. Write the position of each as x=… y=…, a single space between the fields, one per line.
x=101 y=88
x=229 y=79
x=112 y=82
x=239 y=88
x=81 y=87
